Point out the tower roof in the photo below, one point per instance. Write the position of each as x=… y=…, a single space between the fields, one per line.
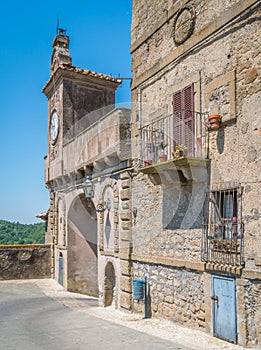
x=61 y=54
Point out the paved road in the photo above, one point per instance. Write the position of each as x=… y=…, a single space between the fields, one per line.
x=30 y=320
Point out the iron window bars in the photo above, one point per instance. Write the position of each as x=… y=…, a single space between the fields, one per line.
x=223 y=229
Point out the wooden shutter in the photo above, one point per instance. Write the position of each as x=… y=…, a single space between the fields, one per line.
x=188 y=100
x=183 y=118
x=177 y=118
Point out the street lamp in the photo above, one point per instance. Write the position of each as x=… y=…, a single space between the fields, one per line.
x=88 y=190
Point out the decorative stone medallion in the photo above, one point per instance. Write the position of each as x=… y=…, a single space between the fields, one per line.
x=184 y=24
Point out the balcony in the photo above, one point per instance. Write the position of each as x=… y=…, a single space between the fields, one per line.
x=103 y=144
x=173 y=137
x=175 y=142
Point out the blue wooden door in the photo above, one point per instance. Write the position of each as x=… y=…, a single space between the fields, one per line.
x=60 y=276
x=224 y=308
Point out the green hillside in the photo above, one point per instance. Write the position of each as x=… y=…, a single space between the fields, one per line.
x=16 y=233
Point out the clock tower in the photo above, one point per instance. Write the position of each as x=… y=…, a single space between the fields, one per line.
x=74 y=95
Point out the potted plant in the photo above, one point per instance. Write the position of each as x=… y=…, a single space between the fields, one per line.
x=147 y=162
x=214 y=121
x=162 y=154
x=180 y=151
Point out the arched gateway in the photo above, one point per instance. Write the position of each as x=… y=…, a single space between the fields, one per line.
x=82 y=247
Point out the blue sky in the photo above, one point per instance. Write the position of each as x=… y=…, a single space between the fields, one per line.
x=99 y=40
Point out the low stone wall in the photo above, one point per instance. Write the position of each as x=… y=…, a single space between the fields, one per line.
x=25 y=261
x=176 y=294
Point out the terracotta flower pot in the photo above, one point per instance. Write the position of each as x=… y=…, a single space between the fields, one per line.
x=214 y=121
x=147 y=162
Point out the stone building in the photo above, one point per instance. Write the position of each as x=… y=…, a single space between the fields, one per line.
x=88 y=136
x=196 y=135
x=175 y=182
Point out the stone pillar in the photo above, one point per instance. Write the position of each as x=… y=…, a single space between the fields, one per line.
x=241 y=312
x=51 y=231
x=125 y=243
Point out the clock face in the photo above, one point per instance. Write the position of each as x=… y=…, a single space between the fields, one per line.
x=54 y=127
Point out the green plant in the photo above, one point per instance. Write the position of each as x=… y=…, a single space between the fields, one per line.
x=180 y=151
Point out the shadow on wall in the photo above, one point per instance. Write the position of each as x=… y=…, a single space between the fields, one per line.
x=220 y=140
x=82 y=248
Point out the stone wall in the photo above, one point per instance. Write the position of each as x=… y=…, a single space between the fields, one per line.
x=221 y=59
x=25 y=262
x=152 y=234
x=176 y=294
x=146 y=14
x=226 y=78
x=253 y=311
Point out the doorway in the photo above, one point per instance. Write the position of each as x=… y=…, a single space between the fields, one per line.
x=224 y=308
x=109 y=285
x=61 y=269
x=82 y=247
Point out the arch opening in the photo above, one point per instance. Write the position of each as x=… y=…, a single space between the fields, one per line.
x=82 y=247
x=109 y=285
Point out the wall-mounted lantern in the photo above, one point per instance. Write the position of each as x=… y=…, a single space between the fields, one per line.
x=88 y=189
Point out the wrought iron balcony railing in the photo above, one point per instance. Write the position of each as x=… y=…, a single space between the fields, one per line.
x=173 y=137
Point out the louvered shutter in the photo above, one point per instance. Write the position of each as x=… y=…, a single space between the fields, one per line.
x=183 y=118
x=177 y=118
x=188 y=100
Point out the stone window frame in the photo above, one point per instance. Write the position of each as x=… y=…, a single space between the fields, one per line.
x=227 y=79
x=109 y=183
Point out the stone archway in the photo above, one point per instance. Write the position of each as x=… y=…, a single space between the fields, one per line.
x=82 y=262
x=109 y=285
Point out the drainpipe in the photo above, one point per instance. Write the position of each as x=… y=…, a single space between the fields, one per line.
x=139 y=123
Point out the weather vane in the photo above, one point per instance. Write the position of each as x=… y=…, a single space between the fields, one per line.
x=59 y=31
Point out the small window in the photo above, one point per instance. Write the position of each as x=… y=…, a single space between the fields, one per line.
x=223 y=231
x=224 y=214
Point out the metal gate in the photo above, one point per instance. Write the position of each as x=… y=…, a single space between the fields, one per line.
x=224 y=308
x=61 y=264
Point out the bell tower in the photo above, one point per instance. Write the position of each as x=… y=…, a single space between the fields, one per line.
x=61 y=54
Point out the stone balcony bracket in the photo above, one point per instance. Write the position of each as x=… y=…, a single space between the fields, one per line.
x=183 y=170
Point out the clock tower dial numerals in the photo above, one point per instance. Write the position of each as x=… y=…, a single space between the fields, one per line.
x=54 y=126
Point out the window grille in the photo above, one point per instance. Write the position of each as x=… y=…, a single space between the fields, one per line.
x=223 y=228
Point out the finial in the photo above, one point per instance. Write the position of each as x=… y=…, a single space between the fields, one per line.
x=60 y=31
